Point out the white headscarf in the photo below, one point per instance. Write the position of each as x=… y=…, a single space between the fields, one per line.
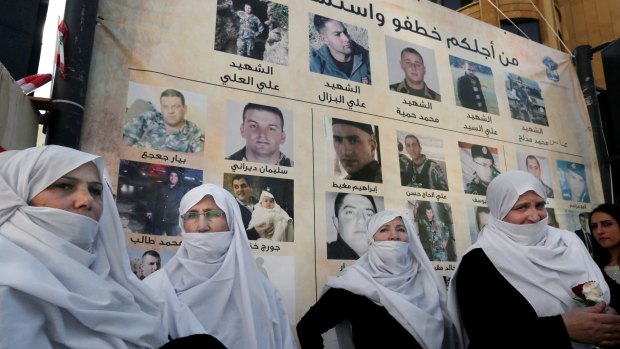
x=399 y=276
x=212 y=284
x=543 y=263
x=71 y=268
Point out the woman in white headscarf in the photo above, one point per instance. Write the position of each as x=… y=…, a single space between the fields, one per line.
x=391 y=297
x=513 y=287
x=212 y=284
x=65 y=280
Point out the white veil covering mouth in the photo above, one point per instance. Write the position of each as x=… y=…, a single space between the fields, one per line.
x=71 y=271
x=212 y=284
x=542 y=262
x=416 y=298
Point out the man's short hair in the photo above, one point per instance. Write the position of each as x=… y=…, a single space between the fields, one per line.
x=319 y=22
x=583 y=215
x=239 y=177
x=411 y=50
x=170 y=170
x=152 y=253
x=173 y=93
x=267 y=108
x=413 y=136
x=364 y=127
x=340 y=197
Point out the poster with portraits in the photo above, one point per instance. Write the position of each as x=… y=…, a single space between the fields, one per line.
x=315 y=115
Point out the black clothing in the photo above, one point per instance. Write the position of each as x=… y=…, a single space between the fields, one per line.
x=470 y=93
x=371 y=324
x=195 y=341
x=496 y=315
x=340 y=250
x=246 y=216
x=165 y=209
x=371 y=172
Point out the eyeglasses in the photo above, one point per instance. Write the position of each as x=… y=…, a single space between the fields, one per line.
x=193 y=215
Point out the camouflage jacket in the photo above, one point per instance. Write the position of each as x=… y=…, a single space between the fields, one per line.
x=148 y=131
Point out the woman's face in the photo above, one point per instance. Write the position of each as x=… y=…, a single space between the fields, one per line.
x=205 y=217
x=529 y=209
x=79 y=191
x=605 y=229
x=393 y=230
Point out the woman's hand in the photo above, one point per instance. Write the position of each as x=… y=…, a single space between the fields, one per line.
x=593 y=325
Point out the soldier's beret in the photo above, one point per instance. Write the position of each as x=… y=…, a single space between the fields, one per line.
x=481 y=151
x=364 y=127
x=577 y=168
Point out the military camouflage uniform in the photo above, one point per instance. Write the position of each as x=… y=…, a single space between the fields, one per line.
x=476 y=186
x=428 y=175
x=250 y=27
x=148 y=130
x=426 y=92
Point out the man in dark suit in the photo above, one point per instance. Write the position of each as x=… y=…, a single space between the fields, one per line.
x=583 y=233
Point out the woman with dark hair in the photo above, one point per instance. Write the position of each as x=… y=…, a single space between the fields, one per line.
x=605 y=227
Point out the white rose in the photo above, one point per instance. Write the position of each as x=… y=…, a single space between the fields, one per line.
x=593 y=292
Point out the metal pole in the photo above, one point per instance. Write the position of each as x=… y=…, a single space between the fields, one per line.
x=583 y=65
x=65 y=124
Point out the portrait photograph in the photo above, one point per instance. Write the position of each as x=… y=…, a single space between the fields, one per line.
x=141 y=261
x=552 y=219
x=540 y=167
x=352 y=150
x=479 y=164
x=525 y=99
x=266 y=205
x=149 y=195
x=339 y=49
x=346 y=215
x=435 y=227
x=473 y=86
x=164 y=118
x=478 y=219
x=573 y=181
x=412 y=69
x=422 y=161
x=259 y=133
x=253 y=28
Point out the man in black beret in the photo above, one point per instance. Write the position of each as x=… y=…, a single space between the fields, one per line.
x=574 y=187
x=484 y=170
x=355 y=145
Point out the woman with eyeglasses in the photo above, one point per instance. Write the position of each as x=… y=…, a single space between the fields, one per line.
x=212 y=284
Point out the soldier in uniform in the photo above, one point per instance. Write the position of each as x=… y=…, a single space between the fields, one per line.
x=470 y=90
x=412 y=64
x=533 y=166
x=435 y=235
x=484 y=172
x=574 y=187
x=250 y=27
x=425 y=173
x=166 y=130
